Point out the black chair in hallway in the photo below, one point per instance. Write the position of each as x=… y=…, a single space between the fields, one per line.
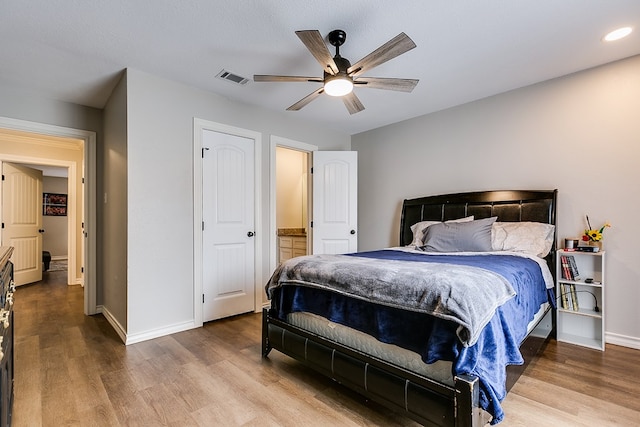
x=46 y=259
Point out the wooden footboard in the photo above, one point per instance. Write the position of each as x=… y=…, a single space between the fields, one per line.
x=421 y=399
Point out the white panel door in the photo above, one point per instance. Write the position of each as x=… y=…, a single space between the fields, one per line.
x=22 y=220
x=228 y=225
x=335 y=202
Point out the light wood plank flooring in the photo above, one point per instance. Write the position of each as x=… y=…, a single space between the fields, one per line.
x=73 y=370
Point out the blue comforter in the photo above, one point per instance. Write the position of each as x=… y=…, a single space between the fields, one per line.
x=435 y=338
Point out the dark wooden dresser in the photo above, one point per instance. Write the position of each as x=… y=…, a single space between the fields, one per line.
x=7 y=288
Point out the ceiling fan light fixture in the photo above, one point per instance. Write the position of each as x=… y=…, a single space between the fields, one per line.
x=339 y=75
x=338 y=85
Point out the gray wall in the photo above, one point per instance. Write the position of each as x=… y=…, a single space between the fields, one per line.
x=112 y=205
x=159 y=190
x=577 y=133
x=16 y=104
x=144 y=244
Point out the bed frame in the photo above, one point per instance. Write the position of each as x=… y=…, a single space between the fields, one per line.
x=426 y=401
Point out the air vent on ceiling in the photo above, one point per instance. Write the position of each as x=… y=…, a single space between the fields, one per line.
x=233 y=78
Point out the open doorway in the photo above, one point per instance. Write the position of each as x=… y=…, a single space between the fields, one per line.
x=290 y=200
x=292 y=203
x=57 y=234
x=40 y=144
x=42 y=217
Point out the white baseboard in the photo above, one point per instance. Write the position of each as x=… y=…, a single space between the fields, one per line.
x=113 y=322
x=160 y=332
x=623 y=340
x=143 y=336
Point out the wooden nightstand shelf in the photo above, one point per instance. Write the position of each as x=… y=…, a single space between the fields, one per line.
x=581 y=325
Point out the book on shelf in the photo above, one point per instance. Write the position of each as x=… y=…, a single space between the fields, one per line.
x=563 y=296
x=566 y=271
x=569 y=268
x=574 y=298
x=573 y=267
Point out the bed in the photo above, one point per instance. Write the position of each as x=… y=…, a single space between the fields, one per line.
x=331 y=330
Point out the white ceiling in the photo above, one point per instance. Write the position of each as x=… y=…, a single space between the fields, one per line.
x=466 y=49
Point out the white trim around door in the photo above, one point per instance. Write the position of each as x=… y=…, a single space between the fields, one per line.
x=90 y=229
x=199 y=125
x=277 y=141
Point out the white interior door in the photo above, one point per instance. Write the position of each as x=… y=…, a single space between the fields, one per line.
x=335 y=202
x=228 y=225
x=22 y=220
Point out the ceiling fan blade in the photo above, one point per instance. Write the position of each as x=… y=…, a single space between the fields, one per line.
x=402 y=85
x=307 y=99
x=394 y=47
x=316 y=45
x=268 y=78
x=352 y=102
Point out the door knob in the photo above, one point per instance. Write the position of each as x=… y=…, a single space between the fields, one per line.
x=352 y=232
x=250 y=234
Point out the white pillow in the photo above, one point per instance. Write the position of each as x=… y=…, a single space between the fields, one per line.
x=419 y=228
x=535 y=238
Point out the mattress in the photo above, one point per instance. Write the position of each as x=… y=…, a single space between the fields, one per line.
x=439 y=371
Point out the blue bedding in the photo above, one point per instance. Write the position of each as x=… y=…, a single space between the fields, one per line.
x=435 y=338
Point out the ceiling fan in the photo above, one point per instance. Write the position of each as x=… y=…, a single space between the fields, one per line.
x=340 y=76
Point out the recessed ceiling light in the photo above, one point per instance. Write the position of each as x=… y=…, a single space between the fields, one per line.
x=618 y=34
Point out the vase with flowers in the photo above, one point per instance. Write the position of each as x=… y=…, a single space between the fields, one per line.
x=593 y=236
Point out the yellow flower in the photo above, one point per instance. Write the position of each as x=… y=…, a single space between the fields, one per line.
x=594 y=235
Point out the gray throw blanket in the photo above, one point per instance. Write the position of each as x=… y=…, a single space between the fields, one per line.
x=466 y=295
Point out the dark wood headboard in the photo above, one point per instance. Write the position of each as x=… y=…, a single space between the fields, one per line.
x=507 y=205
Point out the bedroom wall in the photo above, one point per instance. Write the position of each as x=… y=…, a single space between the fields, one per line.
x=160 y=197
x=112 y=208
x=578 y=133
x=18 y=104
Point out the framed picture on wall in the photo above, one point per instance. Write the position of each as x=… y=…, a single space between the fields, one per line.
x=54 y=204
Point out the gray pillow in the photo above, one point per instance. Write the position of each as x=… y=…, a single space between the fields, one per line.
x=474 y=236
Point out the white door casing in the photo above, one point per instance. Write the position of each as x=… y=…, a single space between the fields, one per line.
x=228 y=215
x=22 y=220
x=335 y=202
x=88 y=138
x=277 y=141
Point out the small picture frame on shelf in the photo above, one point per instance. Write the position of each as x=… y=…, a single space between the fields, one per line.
x=54 y=204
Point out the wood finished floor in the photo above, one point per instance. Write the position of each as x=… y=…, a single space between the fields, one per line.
x=72 y=370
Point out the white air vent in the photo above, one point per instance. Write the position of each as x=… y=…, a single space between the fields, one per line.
x=233 y=78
